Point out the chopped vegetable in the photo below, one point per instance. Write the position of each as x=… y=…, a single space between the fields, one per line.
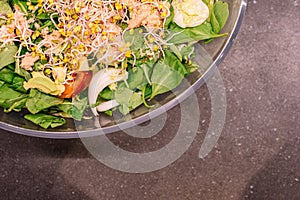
x=80 y=82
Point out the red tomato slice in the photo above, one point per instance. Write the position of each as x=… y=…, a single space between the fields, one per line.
x=81 y=82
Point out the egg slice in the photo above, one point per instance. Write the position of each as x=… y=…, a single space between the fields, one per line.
x=189 y=13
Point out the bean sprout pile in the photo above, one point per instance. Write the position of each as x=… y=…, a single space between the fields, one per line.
x=83 y=28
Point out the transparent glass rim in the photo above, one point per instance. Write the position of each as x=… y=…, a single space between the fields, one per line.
x=141 y=119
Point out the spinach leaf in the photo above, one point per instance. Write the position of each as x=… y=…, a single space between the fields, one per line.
x=135 y=37
x=14 y=81
x=210 y=5
x=46 y=16
x=7 y=75
x=17 y=84
x=17 y=104
x=7 y=54
x=170 y=18
x=22 y=72
x=219 y=16
x=127 y=99
x=202 y=32
x=206 y=1
x=4 y=10
x=45 y=121
x=11 y=66
x=43 y=16
x=75 y=108
x=39 y=101
x=187 y=51
x=108 y=112
x=164 y=78
x=107 y=94
x=22 y=5
x=173 y=62
x=139 y=76
x=47 y=23
x=11 y=99
x=176 y=51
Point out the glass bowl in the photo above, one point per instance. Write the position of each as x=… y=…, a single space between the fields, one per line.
x=216 y=50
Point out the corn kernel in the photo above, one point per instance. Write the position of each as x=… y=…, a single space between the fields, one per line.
x=117 y=17
x=65 y=60
x=43 y=57
x=31 y=7
x=128 y=54
x=118 y=6
x=77 y=9
x=10 y=15
x=155 y=48
x=48 y=71
x=113 y=86
x=11 y=30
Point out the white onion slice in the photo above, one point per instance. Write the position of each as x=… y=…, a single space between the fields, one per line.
x=107 y=105
x=101 y=80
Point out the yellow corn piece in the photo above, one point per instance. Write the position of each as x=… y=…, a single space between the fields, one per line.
x=128 y=54
x=31 y=7
x=118 y=6
x=48 y=71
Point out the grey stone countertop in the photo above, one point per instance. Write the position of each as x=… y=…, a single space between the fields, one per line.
x=256 y=157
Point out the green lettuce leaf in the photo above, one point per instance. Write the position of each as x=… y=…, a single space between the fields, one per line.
x=135 y=37
x=45 y=121
x=14 y=80
x=75 y=108
x=170 y=18
x=128 y=99
x=202 y=32
x=22 y=5
x=164 y=78
x=219 y=16
x=139 y=76
x=107 y=94
x=173 y=62
x=7 y=54
x=4 y=10
x=7 y=75
x=11 y=99
x=39 y=101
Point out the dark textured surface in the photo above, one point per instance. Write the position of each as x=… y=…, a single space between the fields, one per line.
x=257 y=156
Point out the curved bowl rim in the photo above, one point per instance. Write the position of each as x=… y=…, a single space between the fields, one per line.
x=124 y=125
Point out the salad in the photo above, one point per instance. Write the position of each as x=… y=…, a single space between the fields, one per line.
x=78 y=58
